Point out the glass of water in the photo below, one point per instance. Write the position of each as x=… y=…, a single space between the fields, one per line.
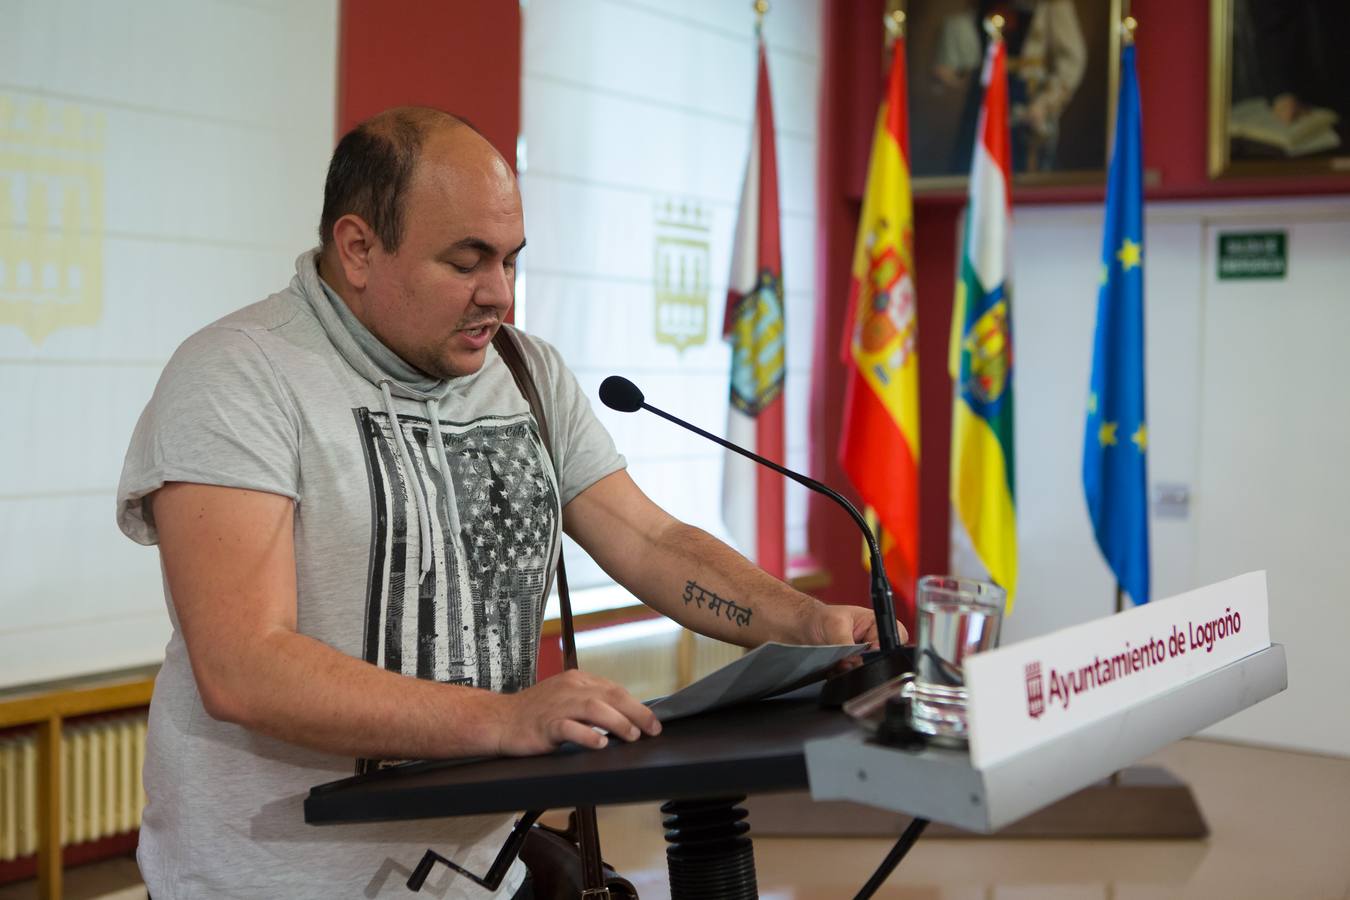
x=957 y=617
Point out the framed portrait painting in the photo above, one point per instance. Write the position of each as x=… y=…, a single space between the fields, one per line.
x=1279 y=87
x=1062 y=62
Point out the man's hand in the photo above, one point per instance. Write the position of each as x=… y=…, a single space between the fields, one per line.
x=845 y=625
x=569 y=707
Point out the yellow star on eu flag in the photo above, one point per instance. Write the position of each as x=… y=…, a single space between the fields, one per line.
x=1106 y=435
x=1092 y=403
x=1130 y=255
x=1140 y=437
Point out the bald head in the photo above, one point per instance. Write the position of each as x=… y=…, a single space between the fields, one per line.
x=374 y=164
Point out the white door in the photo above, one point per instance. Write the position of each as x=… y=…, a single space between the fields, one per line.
x=1274 y=447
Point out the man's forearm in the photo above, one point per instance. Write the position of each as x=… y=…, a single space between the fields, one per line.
x=706 y=586
x=300 y=690
x=697 y=580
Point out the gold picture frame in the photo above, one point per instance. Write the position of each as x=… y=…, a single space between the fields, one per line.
x=939 y=118
x=1248 y=138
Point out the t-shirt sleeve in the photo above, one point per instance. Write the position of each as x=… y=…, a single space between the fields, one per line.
x=582 y=446
x=218 y=416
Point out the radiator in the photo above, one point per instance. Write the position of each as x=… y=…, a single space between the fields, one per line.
x=651 y=658
x=102 y=794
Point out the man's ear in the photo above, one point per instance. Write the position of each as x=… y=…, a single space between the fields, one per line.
x=354 y=240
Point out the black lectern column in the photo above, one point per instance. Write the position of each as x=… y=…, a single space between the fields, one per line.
x=709 y=854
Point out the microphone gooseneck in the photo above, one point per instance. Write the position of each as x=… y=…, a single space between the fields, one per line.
x=620 y=394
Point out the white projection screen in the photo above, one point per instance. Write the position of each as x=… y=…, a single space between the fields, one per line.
x=161 y=163
x=636 y=126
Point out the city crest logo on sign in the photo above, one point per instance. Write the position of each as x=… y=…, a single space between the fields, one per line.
x=1035 y=690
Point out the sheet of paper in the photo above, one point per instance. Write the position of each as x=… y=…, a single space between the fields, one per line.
x=764 y=671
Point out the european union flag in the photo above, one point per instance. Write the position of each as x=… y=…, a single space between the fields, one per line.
x=1115 y=442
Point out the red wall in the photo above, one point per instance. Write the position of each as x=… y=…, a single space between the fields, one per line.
x=1173 y=59
x=462 y=57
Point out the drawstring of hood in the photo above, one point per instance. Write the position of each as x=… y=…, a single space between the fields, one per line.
x=451 y=507
x=423 y=520
x=383 y=368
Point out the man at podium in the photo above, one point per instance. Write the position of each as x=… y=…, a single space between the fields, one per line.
x=359 y=523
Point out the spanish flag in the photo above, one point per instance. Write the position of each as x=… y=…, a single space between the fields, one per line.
x=981 y=354
x=879 y=448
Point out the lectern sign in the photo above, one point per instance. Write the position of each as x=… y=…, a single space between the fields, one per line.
x=1027 y=693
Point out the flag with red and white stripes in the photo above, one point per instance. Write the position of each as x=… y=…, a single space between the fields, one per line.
x=752 y=495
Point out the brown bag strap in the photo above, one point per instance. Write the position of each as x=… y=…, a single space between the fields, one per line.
x=587 y=831
x=509 y=351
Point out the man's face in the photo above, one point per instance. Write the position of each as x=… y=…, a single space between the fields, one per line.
x=440 y=298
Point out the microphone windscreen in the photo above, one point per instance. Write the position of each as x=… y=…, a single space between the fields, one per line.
x=619 y=393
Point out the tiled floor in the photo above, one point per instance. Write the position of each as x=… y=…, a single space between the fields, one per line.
x=1280 y=827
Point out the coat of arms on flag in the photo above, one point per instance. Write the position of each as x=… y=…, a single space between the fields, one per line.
x=757 y=351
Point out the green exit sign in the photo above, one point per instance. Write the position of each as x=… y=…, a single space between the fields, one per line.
x=1253 y=254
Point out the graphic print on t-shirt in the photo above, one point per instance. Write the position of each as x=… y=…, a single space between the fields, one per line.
x=474 y=619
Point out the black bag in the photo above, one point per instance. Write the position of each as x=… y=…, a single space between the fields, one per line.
x=554 y=860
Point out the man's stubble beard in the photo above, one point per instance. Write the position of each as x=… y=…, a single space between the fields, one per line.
x=436 y=364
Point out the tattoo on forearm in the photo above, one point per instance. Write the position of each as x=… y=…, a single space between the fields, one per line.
x=735 y=612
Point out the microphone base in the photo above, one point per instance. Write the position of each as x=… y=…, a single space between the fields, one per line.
x=878 y=666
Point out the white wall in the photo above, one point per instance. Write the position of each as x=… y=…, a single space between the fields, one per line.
x=181 y=148
x=628 y=107
x=1246 y=408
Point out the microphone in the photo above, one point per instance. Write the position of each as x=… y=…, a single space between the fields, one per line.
x=622 y=395
x=618 y=393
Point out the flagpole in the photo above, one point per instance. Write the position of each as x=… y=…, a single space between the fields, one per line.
x=761 y=7
x=1127 y=28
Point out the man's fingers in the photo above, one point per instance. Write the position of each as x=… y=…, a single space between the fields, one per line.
x=578 y=733
x=643 y=718
x=602 y=715
x=590 y=729
x=582 y=709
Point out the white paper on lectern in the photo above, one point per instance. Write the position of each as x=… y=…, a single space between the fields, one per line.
x=1017 y=700
x=764 y=671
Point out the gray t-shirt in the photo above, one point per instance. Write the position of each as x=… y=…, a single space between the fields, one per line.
x=445 y=581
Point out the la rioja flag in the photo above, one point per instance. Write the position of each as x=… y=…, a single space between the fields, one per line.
x=752 y=495
x=981 y=361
